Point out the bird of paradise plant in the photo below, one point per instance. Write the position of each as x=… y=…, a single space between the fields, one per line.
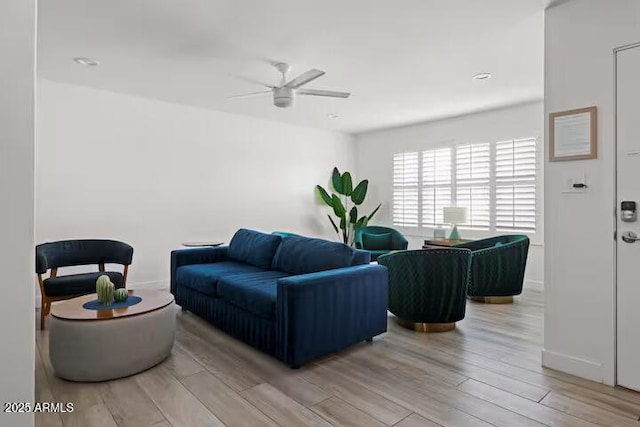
x=345 y=204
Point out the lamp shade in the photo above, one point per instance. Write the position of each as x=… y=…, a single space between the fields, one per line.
x=455 y=215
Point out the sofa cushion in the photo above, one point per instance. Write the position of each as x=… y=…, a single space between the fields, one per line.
x=301 y=255
x=253 y=292
x=361 y=257
x=78 y=284
x=253 y=247
x=204 y=277
x=377 y=242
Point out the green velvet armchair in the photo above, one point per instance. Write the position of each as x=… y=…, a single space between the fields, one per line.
x=379 y=240
x=285 y=234
x=497 y=271
x=428 y=288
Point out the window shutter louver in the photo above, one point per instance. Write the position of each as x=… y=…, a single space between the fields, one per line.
x=473 y=184
x=436 y=185
x=496 y=182
x=405 y=189
x=516 y=185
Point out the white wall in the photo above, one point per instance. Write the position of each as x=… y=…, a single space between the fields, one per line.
x=17 y=318
x=580 y=292
x=375 y=150
x=156 y=174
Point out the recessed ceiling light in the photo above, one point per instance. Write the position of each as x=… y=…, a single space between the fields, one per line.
x=482 y=76
x=332 y=116
x=86 y=61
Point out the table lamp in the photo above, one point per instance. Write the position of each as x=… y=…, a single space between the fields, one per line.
x=454 y=215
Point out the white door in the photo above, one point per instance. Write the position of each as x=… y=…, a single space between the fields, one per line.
x=628 y=250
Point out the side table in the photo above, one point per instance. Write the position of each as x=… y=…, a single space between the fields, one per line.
x=200 y=244
x=443 y=243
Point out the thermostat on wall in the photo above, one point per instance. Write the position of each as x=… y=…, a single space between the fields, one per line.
x=576 y=184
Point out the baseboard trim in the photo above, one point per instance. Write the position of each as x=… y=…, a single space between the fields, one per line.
x=574 y=366
x=153 y=284
x=535 y=282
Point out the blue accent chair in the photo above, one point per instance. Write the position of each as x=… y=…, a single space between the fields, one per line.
x=295 y=298
x=379 y=240
x=69 y=253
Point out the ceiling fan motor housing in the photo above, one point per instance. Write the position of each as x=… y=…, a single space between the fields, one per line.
x=283 y=97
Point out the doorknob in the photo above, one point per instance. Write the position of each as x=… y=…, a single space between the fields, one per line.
x=630 y=237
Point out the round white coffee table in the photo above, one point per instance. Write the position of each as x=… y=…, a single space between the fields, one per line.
x=100 y=345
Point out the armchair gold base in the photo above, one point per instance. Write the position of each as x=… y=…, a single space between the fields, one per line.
x=494 y=300
x=426 y=327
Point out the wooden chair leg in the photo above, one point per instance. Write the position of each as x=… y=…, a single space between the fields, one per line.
x=45 y=309
x=42 y=315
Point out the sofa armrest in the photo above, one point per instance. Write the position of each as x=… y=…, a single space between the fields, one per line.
x=324 y=312
x=206 y=255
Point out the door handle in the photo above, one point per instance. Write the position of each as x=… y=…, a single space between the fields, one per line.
x=630 y=237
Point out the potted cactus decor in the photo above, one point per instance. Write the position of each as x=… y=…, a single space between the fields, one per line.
x=120 y=295
x=348 y=219
x=105 y=290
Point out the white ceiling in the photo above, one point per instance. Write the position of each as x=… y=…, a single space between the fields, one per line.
x=404 y=61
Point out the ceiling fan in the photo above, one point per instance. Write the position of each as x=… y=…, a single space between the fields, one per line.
x=286 y=91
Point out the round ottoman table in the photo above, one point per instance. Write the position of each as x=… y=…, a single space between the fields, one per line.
x=100 y=345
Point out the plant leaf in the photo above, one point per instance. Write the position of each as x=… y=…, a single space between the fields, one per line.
x=335 y=227
x=338 y=207
x=324 y=196
x=353 y=215
x=373 y=213
x=362 y=222
x=360 y=192
x=343 y=223
x=347 y=184
x=336 y=181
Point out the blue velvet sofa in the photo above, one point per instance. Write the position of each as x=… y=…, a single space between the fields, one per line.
x=295 y=298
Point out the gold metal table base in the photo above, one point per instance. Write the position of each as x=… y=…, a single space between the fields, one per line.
x=426 y=327
x=494 y=300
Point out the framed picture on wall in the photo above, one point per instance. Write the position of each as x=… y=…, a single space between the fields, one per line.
x=573 y=134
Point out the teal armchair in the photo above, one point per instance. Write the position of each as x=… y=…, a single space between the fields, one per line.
x=497 y=271
x=286 y=234
x=379 y=240
x=428 y=288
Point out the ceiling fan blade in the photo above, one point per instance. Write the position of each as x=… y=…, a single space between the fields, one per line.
x=330 y=93
x=304 y=78
x=250 y=95
x=254 y=81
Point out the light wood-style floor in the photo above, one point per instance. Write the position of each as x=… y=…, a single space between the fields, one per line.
x=486 y=372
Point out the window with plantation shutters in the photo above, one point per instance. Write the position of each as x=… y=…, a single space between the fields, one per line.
x=473 y=184
x=405 y=189
x=436 y=185
x=515 y=184
x=496 y=182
